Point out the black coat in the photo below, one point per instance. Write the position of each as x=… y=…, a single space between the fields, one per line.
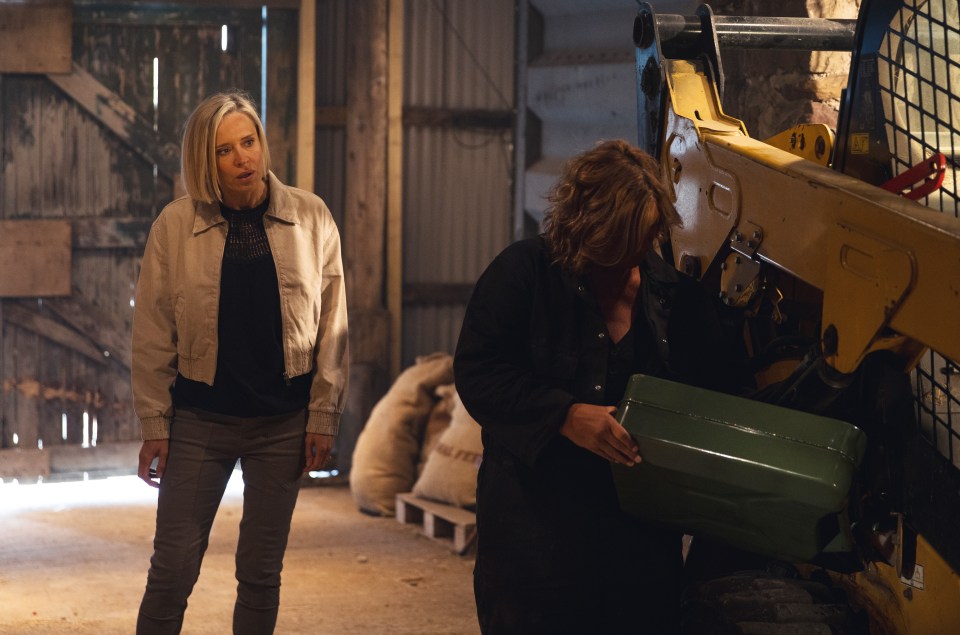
x=533 y=343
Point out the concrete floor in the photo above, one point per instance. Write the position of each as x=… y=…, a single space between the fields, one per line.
x=74 y=556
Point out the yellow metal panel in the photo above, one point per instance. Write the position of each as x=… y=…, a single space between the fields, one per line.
x=810 y=141
x=924 y=605
x=848 y=238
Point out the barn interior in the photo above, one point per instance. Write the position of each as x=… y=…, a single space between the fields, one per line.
x=431 y=128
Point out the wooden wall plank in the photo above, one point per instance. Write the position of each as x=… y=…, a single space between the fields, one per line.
x=35 y=258
x=35 y=37
x=70 y=399
x=51 y=146
x=120 y=118
x=6 y=382
x=58 y=161
x=25 y=389
x=281 y=123
x=246 y=50
x=54 y=356
x=193 y=64
x=81 y=149
x=52 y=330
x=120 y=57
x=101 y=329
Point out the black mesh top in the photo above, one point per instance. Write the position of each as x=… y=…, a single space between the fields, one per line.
x=250 y=378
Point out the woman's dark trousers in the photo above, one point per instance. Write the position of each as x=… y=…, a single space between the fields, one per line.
x=204 y=449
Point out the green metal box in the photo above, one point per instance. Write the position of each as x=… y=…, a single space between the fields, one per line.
x=759 y=477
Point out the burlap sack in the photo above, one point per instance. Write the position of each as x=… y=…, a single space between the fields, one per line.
x=450 y=474
x=437 y=422
x=388 y=448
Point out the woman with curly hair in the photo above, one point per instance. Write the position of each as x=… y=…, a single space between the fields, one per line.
x=554 y=329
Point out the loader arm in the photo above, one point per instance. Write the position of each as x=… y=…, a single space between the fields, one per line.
x=878 y=258
x=849 y=223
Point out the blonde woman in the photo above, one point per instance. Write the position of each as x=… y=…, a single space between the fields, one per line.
x=239 y=354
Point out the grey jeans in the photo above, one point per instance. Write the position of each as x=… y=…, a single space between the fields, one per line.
x=204 y=449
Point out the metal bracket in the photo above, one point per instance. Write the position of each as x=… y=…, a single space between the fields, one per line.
x=739 y=279
x=747 y=241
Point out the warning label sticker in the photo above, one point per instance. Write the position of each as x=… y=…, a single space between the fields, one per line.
x=917 y=580
x=860 y=143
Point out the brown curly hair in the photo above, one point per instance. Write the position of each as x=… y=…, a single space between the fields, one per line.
x=608 y=207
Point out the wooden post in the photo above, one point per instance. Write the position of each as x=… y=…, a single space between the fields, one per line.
x=306 y=94
x=364 y=224
x=395 y=183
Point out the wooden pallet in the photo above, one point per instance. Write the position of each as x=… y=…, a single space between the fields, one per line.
x=455 y=526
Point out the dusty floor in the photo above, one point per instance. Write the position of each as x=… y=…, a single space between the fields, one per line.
x=73 y=565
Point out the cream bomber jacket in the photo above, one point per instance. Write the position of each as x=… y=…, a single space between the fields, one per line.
x=178 y=298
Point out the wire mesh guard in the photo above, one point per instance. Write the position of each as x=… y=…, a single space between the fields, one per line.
x=919 y=82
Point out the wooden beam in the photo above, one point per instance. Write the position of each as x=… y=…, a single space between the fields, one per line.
x=364 y=217
x=19 y=315
x=195 y=4
x=395 y=32
x=117 y=116
x=36 y=36
x=306 y=94
x=35 y=258
x=107 y=334
x=366 y=160
x=159 y=15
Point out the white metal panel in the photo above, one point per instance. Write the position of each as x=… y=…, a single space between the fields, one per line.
x=601 y=29
x=602 y=94
x=581 y=87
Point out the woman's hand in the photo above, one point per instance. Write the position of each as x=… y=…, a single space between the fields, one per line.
x=596 y=429
x=317 y=451
x=150 y=450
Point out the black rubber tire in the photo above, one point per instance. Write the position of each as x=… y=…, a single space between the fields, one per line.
x=761 y=603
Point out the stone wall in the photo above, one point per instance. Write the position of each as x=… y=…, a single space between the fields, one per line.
x=778 y=89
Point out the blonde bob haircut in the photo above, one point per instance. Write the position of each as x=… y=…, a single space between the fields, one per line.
x=198 y=159
x=607 y=208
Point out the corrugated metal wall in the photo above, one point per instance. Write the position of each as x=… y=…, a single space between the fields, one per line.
x=463 y=192
x=457 y=185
